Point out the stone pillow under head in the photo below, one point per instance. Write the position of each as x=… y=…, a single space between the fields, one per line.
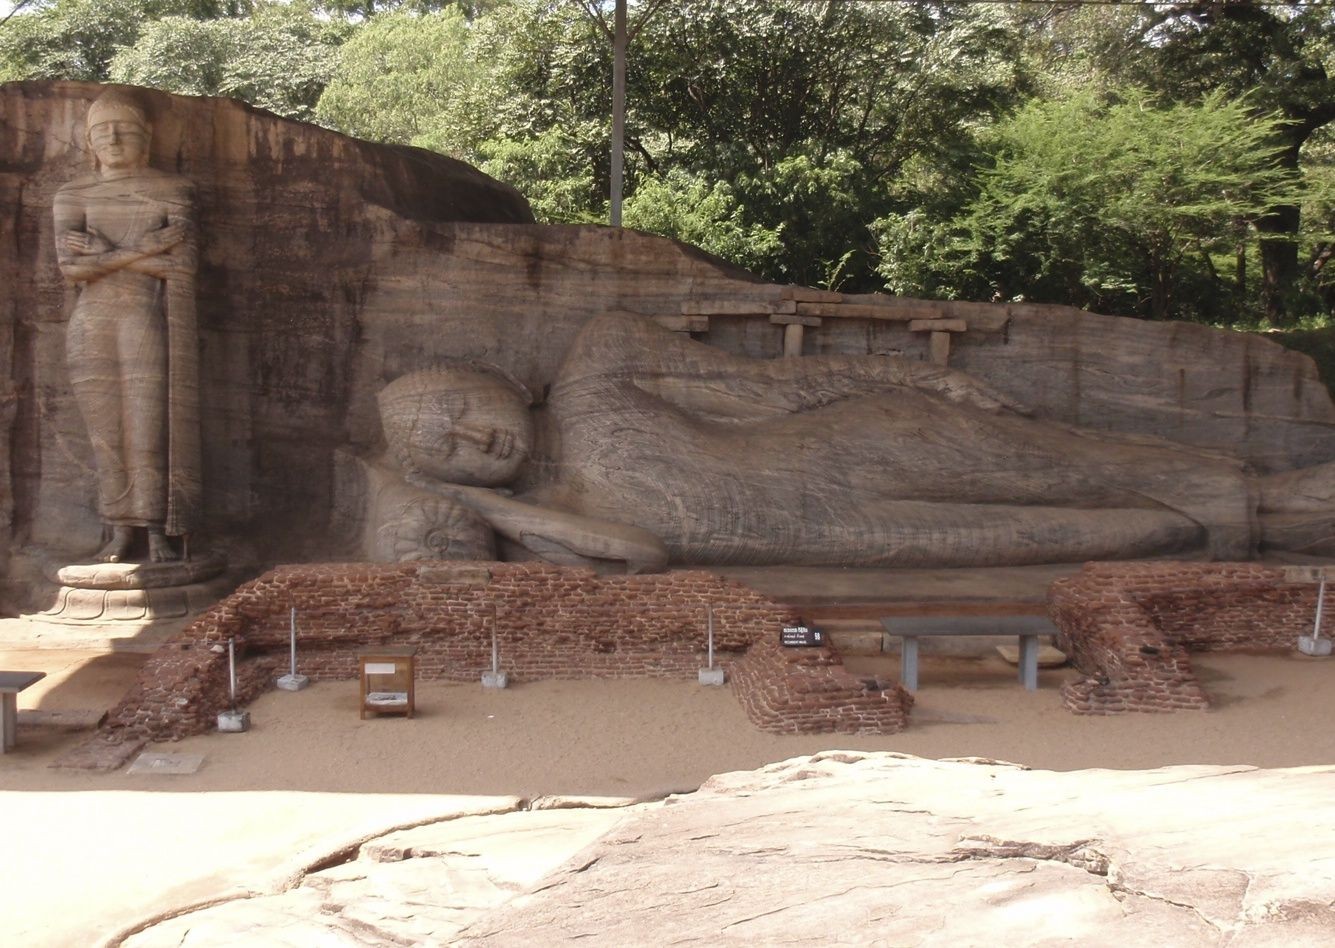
x=410 y=524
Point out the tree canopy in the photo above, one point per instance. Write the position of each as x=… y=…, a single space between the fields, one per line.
x=1151 y=160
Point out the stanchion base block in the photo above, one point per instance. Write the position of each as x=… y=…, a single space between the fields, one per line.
x=234 y=722
x=711 y=676
x=292 y=682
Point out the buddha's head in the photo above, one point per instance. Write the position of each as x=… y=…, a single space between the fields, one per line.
x=463 y=424
x=118 y=131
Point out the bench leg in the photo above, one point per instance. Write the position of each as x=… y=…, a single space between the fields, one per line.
x=908 y=662
x=9 y=721
x=1029 y=662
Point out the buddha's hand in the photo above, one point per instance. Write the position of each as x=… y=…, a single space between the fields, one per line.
x=83 y=243
x=159 y=241
x=964 y=389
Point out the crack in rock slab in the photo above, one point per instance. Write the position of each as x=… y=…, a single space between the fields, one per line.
x=865 y=848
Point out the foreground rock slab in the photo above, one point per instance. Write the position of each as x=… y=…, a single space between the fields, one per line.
x=859 y=848
x=846 y=847
x=421 y=886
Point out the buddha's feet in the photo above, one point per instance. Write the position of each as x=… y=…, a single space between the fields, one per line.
x=160 y=549
x=118 y=547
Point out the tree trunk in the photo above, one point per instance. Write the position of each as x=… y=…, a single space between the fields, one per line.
x=1279 y=261
x=1161 y=288
x=1280 y=271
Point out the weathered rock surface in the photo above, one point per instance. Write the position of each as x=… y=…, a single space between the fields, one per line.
x=846 y=848
x=331 y=267
x=415 y=887
x=292 y=220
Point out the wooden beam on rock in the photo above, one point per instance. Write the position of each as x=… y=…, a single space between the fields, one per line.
x=856 y=311
x=734 y=307
x=807 y=294
x=790 y=319
x=938 y=325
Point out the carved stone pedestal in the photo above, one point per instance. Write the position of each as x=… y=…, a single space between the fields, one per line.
x=136 y=592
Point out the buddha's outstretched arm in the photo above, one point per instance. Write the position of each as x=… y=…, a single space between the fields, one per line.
x=552 y=533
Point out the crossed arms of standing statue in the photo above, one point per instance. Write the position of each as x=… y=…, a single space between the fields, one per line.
x=86 y=255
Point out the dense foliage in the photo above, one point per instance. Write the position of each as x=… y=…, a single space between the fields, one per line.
x=1152 y=160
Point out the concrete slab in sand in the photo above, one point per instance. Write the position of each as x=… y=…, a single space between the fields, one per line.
x=153 y=762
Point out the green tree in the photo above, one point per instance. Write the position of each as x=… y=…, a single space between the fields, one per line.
x=801 y=112
x=706 y=214
x=278 y=58
x=810 y=111
x=367 y=9
x=1119 y=207
x=1279 y=53
x=77 y=39
x=176 y=54
x=410 y=78
x=551 y=171
x=1318 y=215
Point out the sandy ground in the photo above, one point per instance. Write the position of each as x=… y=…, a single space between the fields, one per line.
x=105 y=850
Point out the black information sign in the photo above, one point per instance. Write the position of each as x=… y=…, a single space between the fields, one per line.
x=799 y=636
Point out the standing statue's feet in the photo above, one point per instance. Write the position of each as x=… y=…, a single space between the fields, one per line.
x=118 y=547
x=159 y=547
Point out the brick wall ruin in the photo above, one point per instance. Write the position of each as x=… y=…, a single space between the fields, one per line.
x=549 y=621
x=808 y=691
x=1129 y=627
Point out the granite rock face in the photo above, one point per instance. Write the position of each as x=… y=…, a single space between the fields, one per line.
x=293 y=220
x=848 y=848
x=870 y=848
x=330 y=268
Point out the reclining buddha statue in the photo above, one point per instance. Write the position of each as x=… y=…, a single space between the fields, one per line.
x=660 y=449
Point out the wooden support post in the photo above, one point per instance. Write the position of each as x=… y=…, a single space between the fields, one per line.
x=940 y=348
x=792 y=340
x=794 y=328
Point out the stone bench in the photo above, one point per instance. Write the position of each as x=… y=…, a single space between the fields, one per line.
x=911 y=628
x=11 y=683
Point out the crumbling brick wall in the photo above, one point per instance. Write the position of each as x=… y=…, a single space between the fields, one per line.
x=549 y=622
x=1129 y=627
x=808 y=691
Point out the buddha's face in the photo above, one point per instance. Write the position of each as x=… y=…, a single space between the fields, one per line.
x=119 y=143
x=457 y=425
